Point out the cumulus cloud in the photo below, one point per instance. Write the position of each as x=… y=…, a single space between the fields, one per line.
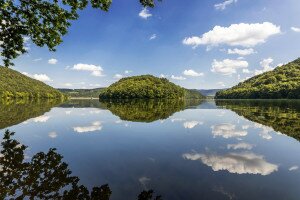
x=41 y=119
x=39 y=77
x=152 y=37
x=180 y=78
x=191 y=124
x=96 y=126
x=238 y=163
x=295 y=29
x=52 y=61
x=128 y=71
x=52 y=134
x=293 y=168
x=223 y=5
x=266 y=66
x=191 y=72
x=118 y=76
x=241 y=52
x=145 y=14
x=95 y=70
x=243 y=34
x=227 y=131
x=227 y=66
x=68 y=84
x=220 y=83
x=265 y=131
x=241 y=145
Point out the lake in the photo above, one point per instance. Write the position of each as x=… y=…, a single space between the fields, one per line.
x=179 y=149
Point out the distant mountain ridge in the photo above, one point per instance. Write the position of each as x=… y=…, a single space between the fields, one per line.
x=15 y=85
x=76 y=93
x=210 y=92
x=281 y=83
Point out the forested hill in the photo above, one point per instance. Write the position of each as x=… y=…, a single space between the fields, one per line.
x=281 y=83
x=147 y=87
x=13 y=84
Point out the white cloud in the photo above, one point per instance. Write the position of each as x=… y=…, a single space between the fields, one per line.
x=227 y=66
x=246 y=71
x=118 y=76
x=191 y=72
x=96 y=126
x=222 y=84
x=68 y=112
x=52 y=134
x=238 y=163
x=266 y=65
x=128 y=71
x=246 y=35
x=295 y=29
x=152 y=37
x=293 y=168
x=39 y=77
x=180 y=78
x=265 y=131
x=41 y=119
x=227 y=131
x=222 y=6
x=96 y=70
x=95 y=85
x=145 y=14
x=37 y=59
x=241 y=145
x=191 y=124
x=52 y=61
x=241 y=52
x=68 y=84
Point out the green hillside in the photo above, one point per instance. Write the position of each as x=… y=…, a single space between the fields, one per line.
x=281 y=83
x=14 y=85
x=146 y=87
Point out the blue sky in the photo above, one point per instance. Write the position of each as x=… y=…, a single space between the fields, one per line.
x=196 y=44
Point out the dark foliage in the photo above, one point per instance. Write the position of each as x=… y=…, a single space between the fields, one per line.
x=45 y=176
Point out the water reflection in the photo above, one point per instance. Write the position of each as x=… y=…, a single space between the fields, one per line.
x=281 y=115
x=45 y=176
x=235 y=162
x=148 y=110
x=16 y=112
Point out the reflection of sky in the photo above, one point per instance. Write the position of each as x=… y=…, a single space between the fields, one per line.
x=193 y=152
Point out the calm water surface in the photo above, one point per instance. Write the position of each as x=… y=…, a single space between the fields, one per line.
x=182 y=150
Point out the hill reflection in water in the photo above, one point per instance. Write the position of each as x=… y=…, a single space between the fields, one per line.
x=281 y=115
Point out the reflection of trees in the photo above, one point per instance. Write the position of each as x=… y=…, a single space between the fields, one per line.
x=46 y=176
x=282 y=115
x=147 y=110
x=15 y=112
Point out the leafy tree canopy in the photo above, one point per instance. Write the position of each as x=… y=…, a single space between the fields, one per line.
x=42 y=21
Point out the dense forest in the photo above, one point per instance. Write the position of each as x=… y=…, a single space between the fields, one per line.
x=147 y=87
x=14 y=85
x=282 y=115
x=280 y=83
x=91 y=93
